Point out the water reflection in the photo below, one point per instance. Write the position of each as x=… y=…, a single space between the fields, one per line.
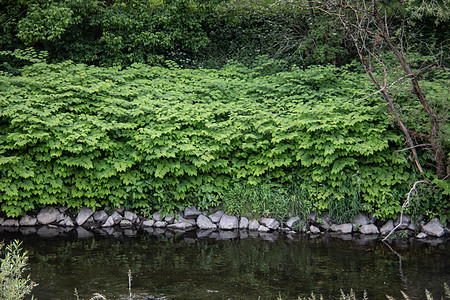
x=230 y=265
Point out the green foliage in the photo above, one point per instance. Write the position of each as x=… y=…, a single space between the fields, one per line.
x=266 y=200
x=157 y=138
x=13 y=263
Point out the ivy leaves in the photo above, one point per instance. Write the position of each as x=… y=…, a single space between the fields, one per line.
x=150 y=137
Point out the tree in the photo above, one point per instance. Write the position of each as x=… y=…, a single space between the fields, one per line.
x=370 y=26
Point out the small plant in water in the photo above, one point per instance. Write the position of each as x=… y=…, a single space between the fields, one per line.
x=13 y=286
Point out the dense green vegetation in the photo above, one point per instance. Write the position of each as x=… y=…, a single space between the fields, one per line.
x=163 y=104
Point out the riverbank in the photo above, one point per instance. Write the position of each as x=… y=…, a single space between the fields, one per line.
x=52 y=222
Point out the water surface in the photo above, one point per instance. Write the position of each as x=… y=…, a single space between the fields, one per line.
x=180 y=266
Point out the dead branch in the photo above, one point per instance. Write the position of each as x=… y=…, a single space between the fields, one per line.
x=408 y=195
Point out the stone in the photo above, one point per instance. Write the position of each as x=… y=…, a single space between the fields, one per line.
x=215 y=217
x=314 y=229
x=63 y=209
x=100 y=216
x=369 y=229
x=169 y=219
x=253 y=225
x=360 y=220
x=156 y=216
x=191 y=212
x=412 y=226
x=84 y=214
x=421 y=235
x=125 y=223
x=387 y=228
x=406 y=219
x=181 y=219
x=116 y=217
x=243 y=223
x=83 y=233
x=10 y=223
x=343 y=228
x=434 y=228
x=204 y=223
x=228 y=222
x=131 y=216
x=109 y=222
x=292 y=221
x=160 y=224
x=47 y=215
x=2 y=220
x=68 y=222
x=270 y=223
x=263 y=228
x=148 y=223
x=180 y=225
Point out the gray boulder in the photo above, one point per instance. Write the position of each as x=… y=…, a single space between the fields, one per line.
x=406 y=219
x=215 y=217
x=2 y=220
x=314 y=230
x=116 y=217
x=109 y=222
x=148 y=223
x=343 y=228
x=47 y=215
x=204 y=223
x=180 y=225
x=387 y=228
x=369 y=229
x=360 y=220
x=228 y=222
x=263 y=228
x=66 y=221
x=131 y=216
x=27 y=221
x=191 y=212
x=243 y=223
x=10 y=223
x=156 y=216
x=270 y=223
x=434 y=228
x=253 y=225
x=169 y=219
x=160 y=224
x=125 y=223
x=421 y=235
x=100 y=216
x=292 y=221
x=84 y=214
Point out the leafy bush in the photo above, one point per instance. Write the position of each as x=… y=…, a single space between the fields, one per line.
x=13 y=286
x=163 y=138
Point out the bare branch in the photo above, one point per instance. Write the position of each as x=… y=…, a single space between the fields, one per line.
x=408 y=195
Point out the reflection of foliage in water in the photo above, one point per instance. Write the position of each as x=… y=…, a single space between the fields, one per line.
x=241 y=269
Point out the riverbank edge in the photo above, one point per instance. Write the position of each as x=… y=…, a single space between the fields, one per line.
x=87 y=221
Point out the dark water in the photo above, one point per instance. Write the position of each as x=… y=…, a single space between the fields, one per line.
x=178 y=266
